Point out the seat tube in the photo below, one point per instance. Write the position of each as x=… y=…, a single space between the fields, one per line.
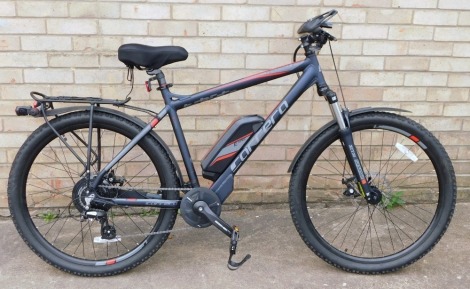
x=183 y=146
x=163 y=86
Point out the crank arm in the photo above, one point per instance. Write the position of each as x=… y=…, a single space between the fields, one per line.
x=203 y=209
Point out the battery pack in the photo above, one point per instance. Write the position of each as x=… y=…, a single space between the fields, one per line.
x=228 y=146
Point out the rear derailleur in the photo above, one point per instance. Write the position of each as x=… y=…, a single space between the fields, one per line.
x=108 y=232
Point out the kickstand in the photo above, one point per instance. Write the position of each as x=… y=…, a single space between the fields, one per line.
x=232 y=265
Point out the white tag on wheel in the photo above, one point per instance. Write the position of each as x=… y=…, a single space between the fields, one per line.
x=100 y=240
x=404 y=150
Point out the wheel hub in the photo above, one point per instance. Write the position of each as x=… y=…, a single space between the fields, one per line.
x=375 y=196
x=80 y=193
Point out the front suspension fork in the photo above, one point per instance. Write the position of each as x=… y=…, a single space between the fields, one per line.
x=347 y=141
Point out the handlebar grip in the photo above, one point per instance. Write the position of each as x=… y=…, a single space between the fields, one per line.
x=27 y=110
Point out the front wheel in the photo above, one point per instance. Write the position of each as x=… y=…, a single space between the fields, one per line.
x=405 y=164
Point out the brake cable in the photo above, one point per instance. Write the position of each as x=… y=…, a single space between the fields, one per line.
x=295 y=56
x=336 y=71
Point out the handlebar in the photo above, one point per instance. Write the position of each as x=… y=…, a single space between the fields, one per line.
x=314 y=37
x=314 y=24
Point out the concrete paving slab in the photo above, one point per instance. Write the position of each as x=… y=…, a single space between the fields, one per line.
x=197 y=258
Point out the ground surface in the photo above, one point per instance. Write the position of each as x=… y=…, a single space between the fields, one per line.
x=197 y=259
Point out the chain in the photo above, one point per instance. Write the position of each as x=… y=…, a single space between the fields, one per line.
x=142 y=188
x=150 y=189
x=158 y=232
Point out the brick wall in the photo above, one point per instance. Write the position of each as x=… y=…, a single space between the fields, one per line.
x=411 y=54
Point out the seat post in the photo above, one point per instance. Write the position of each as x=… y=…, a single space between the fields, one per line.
x=159 y=76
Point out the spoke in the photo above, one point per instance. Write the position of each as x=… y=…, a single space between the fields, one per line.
x=388 y=229
x=132 y=220
x=78 y=233
x=53 y=223
x=92 y=244
x=332 y=150
x=369 y=231
x=64 y=190
x=136 y=175
x=404 y=222
x=409 y=164
x=385 y=165
x=121 y=163
x=388 y=218
x=338 y=218
x=362 y=232
x=60 y=230
x=376 y=234
x=349 y=227
x=56 y=159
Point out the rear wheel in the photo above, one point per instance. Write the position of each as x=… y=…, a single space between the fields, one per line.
x=404 y=164
x=46 y=191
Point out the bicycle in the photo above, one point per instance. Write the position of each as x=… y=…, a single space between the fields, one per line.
x=95 y=192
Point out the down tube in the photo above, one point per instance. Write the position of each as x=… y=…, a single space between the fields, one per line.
x=223 y=186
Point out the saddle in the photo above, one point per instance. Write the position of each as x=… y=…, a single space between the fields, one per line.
x=150 y=57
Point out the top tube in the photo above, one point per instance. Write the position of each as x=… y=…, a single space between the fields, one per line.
x=271 y=74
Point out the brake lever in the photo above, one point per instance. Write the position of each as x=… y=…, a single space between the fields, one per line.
x=329 y=36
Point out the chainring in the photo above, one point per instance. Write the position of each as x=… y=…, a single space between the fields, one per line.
x=192 y=217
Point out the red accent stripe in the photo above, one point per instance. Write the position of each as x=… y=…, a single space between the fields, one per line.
x=228 y=127
x=111 y=262
x=238 y=139
x=132 y=199
x=154 y=122
x=223 y=158
x=413 y=138
x=230 y=154
x=263 y=74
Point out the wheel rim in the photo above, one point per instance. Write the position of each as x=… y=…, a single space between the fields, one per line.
x=54 y=211
x=399 y=168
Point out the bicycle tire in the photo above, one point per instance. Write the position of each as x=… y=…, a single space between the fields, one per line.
x=46 y=207
x=401 y=159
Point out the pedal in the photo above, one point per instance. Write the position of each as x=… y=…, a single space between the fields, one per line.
x=203 y=209
x=233 y=250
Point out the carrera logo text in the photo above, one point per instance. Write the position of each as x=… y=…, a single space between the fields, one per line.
x=260 y=134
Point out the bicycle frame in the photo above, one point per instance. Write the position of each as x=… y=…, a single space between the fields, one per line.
x=223 y=186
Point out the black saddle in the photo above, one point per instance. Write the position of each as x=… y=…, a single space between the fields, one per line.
x=150 y=57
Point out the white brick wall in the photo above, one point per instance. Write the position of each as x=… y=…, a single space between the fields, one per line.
x=411 y=54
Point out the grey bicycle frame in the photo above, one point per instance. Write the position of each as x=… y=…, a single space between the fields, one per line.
x=223 y=186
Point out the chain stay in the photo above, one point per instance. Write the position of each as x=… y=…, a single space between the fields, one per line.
x=142 y=188
x=150 y=189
